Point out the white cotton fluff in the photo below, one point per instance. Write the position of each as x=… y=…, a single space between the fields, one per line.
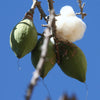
x=68 y=26
x=67 y=11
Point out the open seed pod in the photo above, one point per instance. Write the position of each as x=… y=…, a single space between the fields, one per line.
x=72 y=61
x=23 y=38
x=50 y=59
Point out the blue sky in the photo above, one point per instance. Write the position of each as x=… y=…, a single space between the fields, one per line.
x=14 y=82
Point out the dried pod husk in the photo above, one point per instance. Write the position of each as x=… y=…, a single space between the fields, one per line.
x=72 y=61
x=23 y=38
x=50 y=59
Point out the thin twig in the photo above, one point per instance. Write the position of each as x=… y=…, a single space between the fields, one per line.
x=42 y=35
x=42 y=13
x=43 y=25
x=44 y=47
x=50 y=3
x=65 y=97
x=37 y=3
x=33 y=6
x=81 y=9
x=30 y=13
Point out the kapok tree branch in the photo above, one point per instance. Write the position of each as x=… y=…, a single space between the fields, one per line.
x=42 y=14
x=37 y=3
x=81 y=9
x=65 y=97
x=50 y=3
x=33 y=6
x=44 y=47
x=30 y=13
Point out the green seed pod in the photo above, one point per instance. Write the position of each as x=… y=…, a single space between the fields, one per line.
x=23 y=38
x=72 y=61
x=50 y=59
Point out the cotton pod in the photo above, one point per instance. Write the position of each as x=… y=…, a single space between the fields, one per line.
x=68 y=26
x=50 y=59
x=23 y=38
x=72 y=61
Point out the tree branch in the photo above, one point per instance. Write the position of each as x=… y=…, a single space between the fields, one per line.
x=81 y=9
x=42 y=35
x=30 y=13
x=34 y=4
x=42 y=14
x=65 y=97
x=44 y=47
x=50 y=3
